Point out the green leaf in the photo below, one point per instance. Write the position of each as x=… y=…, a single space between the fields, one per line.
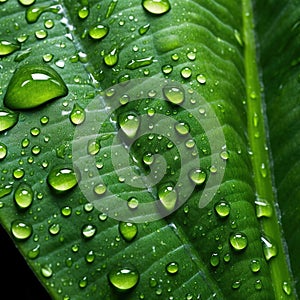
x=162 y=165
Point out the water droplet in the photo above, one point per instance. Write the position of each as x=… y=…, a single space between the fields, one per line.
x=133 y=203
x=21 y=230
x=32 y=86
x=93 y=147
x=128 y=230
x=98 y=32
x=172 y=268
x=33 y=13
x=258 y=284
x=129 y=123
x=186 y=73
x=18 y=173
x=88 y=231
x=214 y=259
x=35 y=131
x=123 y=278
x=191 y=55
x=83 y=12
x=201 y=79
x=263 y=208
x=8 y=119
x=269 y=248
x=41 y=34
x=287 y=288
x=66 y=211
x=236 y=284
x=47 y=57
x=36 y=150
x=144 y=29
x=263 y=171
x=83 y=282
x=152 y=282
x=54 y=229
x=222 y=208
x=148 y=159
x=26 y=2
x=197 y=176
x=174 y=94
x=224 y=155
x=255 y=265
x=167 y=69
x=100 y=189
x=227 y=258
x=7 y=47
x=182 y=128
x=49 y=24
x=156 y=7
x=77 y=115
x=23 y=195
x=5 y=190
x=167 y=196
x=238 y=37
x=111 y=58
x=46 y=271
x=110 y=9
x=62 y=179
x=138 y=63
x=3 y=151
x=238 y=241
x=34 y=252
x=44 y=120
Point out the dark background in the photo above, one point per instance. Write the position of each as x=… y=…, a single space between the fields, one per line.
x=17 y=281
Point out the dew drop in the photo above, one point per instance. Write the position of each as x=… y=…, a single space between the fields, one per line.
x=201 y=79
x=3 y=151
x=46 y=271
x=83 y=282
x=174 y=94
x=93 y=147
x=35 y=131
x=236 y=284
x=167 y=69
x=33 y=13
x=138 y=63
x=23 y=195
x=152 y=282
x=287 y=288
x=77 y=115
x=21 y=230
x=66 y=211
x=269 y=248
x=44 y=120
x=83 y=12
x=133 y=203
x=214 y=259
x=222 y=208
x=263 y=208
x=54 y=229
x=167 y=196
x=32 y=86
x=224 y=155
x=182 y=128
x=144 y=29
x=258 y=284
x=156 y=7
x=26 y=2
x=62 y=179
x=129 y=123
x=41 y=34
x=18 y=173
x=5 y=190
x=128 y=230
x=197 y=176
x=111 y=58
x=186 y=73
x=7 y=47
x=98 y=32
x=8 y=119
x=255 y=265
x=238 y=241
x=88 y=231
x=90 y=256
x=123 y=279
x=172 y=268
x=34 y=252
x=191 y=55
x=148 y=159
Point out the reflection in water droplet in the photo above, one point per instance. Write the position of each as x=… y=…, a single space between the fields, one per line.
x=34 y=85
x=129 y=123
x=128 y=230
x=7 y=47
x=167 y=196
x=8 y=119
x=21 y=230
x=62 y=179
x=174 y=94
x=238 y=241
x=123 y=279
x=23 y=195
x=156 y=7
x=172 y=268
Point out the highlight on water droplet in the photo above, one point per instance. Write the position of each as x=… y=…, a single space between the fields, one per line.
x=62 y=179
x=7 y=47
x=21 y=230
x=128 y=230
x=174 y=94
x=32 y=86
x=167 y=196
x=98 y=32
x=172 y=268
x=23 y=195
x=238 y=241
x=156 y=7
x=123 y=279
x=129 y=123
x=8 y=119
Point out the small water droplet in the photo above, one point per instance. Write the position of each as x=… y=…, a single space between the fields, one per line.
x=227 y=258
x=123 y=279
x=222 y=208
x=23 y=195
x=88 y=231
x=191 y=55
x=41 y=34
x=224 y=155
x=90 y=256
x=46 y=271
x=111 y=58
x=255 y=265
x=197 y=176
x=5 y=190
x=32 y=86
x=66 y=211
x=26 y=2
x=93 y=147
x=263 y=171
x=8 y=119
x=18 y=173
x=98 y=32
x=21 y=230
x=143 y=29
x=238 y=37
x=263 y=208
x=269 y=248
x=167 y=69
x=128 y=230
x=258 y=284
x=7 y=47
x=214 y=259
x=238 y=241
x=182 y=128
x=172 y=268
x=186 y=73
x=156 y=7
x=83 y=12
x=174 y=94
x=201 y=79
x=34 y=252
x=287 y=288
x=133 y=203
x=83 y=282
x=236 y=284
x=148 y=158
x=138 y=63
x=77 y=115
x=3 y=151
x=167 y=196
x=129 y=123
x=62 y=179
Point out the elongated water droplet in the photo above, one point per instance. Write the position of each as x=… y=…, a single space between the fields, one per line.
x=98 y=32
x=214 y=259
x=3 y=151
x=77 y=115
x=88 y=231
x=5 y=190
x=167 y=196
x=156 y=7
x=222 y=208
x=144 y=29
x=23 y=195
x=138 y=63
x=123 y=279
x=129 y=123
x=111 y=7
x=93 y=147
x=269 y=248
x=32 y=86
x=7 y=47
x=21 y=230
x=8 y=119
x=128 y=230
x=172 y=268
x=174 y=94
x=111 y=58
x=197 y=176
x=238 y=241
x=62 y=179
x=33 y=13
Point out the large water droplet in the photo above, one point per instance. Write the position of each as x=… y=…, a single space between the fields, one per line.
x=123 y=279
x=8 y=119
x=21 y=230
x=23 y=195
x=174 y=94
x=238 y=241
x=269 y=248
x=138 y=63
x=133 y=203
x=167 y=196
x=33 y=85
x=62 y=179
x=156 y=7
x=128 y=230
x=129 y=123
x=98 y=32
x=7 y=47
x=222 y=208
x=3 y=151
